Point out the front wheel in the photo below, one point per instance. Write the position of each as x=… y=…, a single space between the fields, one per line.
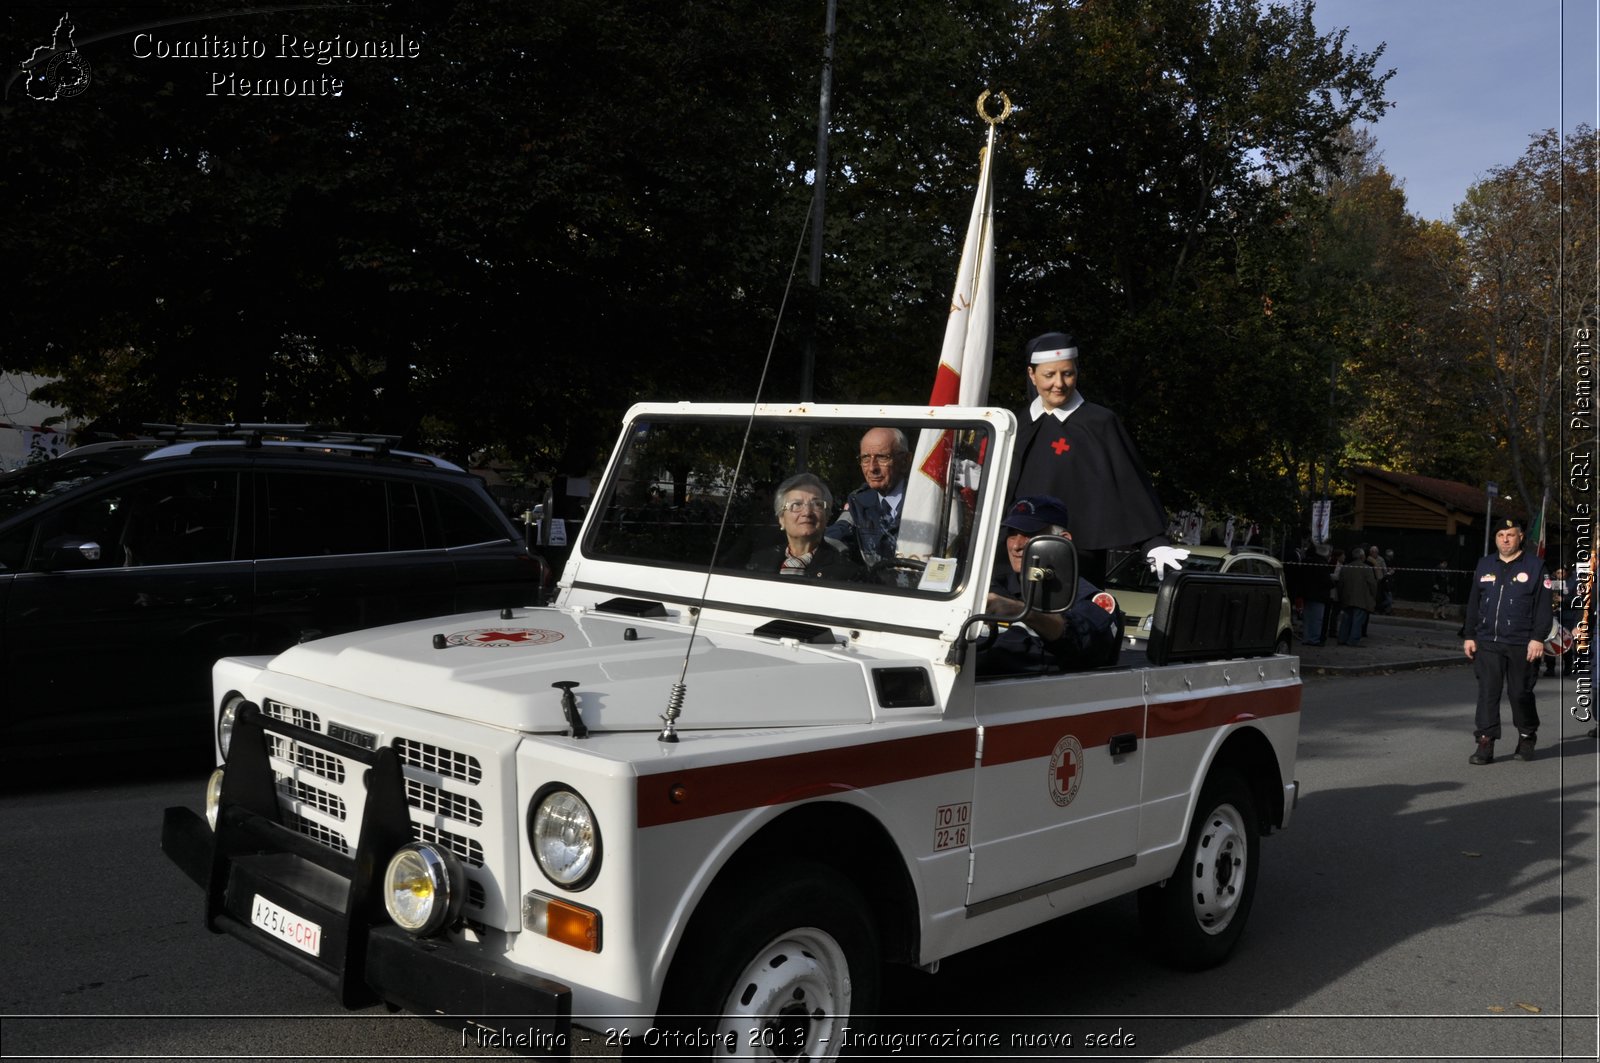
x=1194 y=919
x=784 y=963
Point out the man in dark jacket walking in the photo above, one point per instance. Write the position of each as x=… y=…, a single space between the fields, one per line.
x=1508 y=614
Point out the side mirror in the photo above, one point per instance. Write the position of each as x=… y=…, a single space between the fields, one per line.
x=1049 y=574
x=1049 y=585
x=66 y=553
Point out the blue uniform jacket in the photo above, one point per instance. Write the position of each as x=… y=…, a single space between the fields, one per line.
x=1510 y=600
x=1089 y=639
x=866 y=527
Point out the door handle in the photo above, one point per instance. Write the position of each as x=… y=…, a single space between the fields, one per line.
x=1124 y=743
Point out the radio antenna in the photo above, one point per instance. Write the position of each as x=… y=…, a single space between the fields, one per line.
x=669 y=719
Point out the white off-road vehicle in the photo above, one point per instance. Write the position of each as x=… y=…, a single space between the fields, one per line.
x=721 y=798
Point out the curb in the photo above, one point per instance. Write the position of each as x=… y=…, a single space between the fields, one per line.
x=1381 y=667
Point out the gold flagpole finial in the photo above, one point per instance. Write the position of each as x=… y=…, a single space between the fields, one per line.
x=1005 y=108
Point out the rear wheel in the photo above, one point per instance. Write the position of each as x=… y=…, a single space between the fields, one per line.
x=781 y=965
x=1194 y=919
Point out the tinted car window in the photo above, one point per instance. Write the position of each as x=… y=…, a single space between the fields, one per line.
x=405 y=517
x=464 y=525
x=177 y=519
x=312 y=515
x=33 y=484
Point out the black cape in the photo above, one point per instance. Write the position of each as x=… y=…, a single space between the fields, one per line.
x=1090 y=463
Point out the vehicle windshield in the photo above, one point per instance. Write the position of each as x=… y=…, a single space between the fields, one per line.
x=32 y=484
x=682 y=497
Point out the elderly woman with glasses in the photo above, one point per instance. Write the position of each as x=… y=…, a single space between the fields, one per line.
x=802 y=503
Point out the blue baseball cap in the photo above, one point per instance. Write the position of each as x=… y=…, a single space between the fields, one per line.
x=1036 y=514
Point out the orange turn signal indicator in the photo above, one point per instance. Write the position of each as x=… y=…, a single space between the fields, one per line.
x=563 y=921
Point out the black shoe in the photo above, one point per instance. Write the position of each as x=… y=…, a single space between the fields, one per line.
x=1524 y=748
x=1484 y=753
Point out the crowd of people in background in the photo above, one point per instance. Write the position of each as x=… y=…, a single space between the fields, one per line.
x=1338 y=590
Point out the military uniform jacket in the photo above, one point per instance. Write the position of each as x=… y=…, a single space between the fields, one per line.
x=1089 y=462
x=1510 y=600
x=866 y=526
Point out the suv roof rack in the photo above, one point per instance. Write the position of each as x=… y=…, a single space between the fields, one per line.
x=254 y=436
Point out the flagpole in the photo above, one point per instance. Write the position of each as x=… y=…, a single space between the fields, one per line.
x=962 y=372
x=819 y=201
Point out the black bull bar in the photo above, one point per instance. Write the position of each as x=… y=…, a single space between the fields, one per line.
x=364 y=958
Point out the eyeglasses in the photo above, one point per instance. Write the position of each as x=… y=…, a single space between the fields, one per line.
x=798 y=506
x=876 y=459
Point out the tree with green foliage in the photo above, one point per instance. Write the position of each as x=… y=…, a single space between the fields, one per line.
x=552 y=212
x=1168 y=152
x=1530 y=283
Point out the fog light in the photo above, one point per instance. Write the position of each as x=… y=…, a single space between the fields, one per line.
x=213 y=797
x=423 y=888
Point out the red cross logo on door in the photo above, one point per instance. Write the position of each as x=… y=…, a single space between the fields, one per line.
x=1066 y=770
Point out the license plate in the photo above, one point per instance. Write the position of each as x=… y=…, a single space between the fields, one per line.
x=285 y=925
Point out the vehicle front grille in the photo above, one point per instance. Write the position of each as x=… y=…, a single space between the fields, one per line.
x=290 y=714
x=443 y=802
x=311 y=759
x=438 y=760
x=323 y=794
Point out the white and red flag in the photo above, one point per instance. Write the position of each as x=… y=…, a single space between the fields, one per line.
x=934 y=487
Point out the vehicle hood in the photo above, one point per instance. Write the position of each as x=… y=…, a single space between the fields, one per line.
x=501 y=672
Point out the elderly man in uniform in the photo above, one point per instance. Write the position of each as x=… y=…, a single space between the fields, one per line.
x=1508 y=616
x=869 y=524
x=1085 y=636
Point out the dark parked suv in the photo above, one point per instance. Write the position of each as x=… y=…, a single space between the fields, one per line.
x=127 y=568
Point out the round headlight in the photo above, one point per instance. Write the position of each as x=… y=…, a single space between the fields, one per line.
x=213 y=797
x=422 y=889
x=565 y=838
x=225 y=719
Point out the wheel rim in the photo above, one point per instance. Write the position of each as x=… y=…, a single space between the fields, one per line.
x=1221 y=862
x=789 y=1000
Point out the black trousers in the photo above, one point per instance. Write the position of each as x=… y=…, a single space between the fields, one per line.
x=1504 y=665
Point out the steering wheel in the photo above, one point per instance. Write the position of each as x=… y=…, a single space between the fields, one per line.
x=894 y=564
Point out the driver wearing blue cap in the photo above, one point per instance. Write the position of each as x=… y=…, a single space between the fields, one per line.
x=1085 y=636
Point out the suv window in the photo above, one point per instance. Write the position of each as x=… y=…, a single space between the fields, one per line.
x=177 y=519
x=312 y=514
x=464 y=525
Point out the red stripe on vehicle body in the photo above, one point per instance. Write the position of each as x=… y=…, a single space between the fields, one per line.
x=717 y=789
x=1201 y=714
x=1012 y=742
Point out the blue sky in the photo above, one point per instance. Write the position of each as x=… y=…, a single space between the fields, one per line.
x=1474 y=80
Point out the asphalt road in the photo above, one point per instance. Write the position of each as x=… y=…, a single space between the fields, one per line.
x=1417 y=907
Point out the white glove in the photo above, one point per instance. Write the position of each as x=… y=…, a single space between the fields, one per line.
x=1162 y=558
